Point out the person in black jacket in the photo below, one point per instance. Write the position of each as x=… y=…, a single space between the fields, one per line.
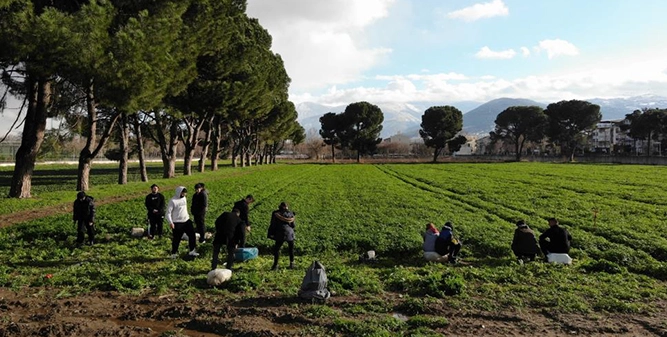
x=198 y=209
x=281 y=229
x=226 y=227
x=524 y=244
x=84 y=216
x=243 y=207
x=555 y=240
x=155 y=208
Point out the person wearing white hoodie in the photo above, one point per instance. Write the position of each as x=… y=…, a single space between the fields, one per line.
x=179 y=221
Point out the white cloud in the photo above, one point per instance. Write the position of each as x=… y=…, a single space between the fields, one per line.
x=487 y=53
x=558 y=47
x=322 y=42
x=639 y=75
x=480 y=11
x=525 y=51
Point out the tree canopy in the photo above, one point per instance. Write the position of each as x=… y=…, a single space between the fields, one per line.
x=440 y=124
x=361 y=124
x=569 y=122
x=519 y=124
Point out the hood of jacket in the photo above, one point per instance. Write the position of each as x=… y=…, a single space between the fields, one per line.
x=177 y=194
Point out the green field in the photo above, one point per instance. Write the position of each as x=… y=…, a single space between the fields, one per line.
x=344 y=210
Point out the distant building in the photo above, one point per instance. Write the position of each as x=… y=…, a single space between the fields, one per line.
x=398 y=138
x=469 y=148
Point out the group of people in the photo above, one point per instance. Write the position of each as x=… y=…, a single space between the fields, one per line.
x=230 y=227
x=443 y=246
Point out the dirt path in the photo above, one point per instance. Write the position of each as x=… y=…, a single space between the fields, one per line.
x=39 y=312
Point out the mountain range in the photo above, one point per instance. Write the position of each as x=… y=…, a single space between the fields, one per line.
x=478 y=117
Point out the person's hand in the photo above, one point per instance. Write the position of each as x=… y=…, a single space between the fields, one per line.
x=247 y=229
x=171 y=225
x=91 y=223
x=154 y=211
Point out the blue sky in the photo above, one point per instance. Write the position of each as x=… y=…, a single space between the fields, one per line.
x=341 y=51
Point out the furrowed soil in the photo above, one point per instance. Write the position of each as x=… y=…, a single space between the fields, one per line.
x=40 y=312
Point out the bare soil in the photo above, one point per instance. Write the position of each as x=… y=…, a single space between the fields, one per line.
x=39 y=312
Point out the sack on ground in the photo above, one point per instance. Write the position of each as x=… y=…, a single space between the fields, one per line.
x=137 y=232
x=559 y=258
x=435 y=257
x=314 y=285
x=244 y=254
x=218 y=276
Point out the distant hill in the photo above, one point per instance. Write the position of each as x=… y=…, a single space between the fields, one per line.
x=481 y=120
x=398 y=117
x=477 y=119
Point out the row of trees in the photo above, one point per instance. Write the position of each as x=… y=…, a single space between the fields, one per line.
x=647 y=124
x=199 y=72
x=566 y=124
x=359 y=126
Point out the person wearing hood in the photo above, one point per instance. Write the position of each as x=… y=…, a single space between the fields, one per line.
x=430 y=238
x=179 y=221
x=446 y=243
x=198 y=208
x=243 y=206
x=155 y=207
x=524 y=244
x=84 y=216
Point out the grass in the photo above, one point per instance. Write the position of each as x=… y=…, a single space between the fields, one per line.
x=613 y=212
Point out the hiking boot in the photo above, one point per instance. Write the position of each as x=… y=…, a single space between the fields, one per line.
x=193 y=253
x=91 y=242
x=173 y=256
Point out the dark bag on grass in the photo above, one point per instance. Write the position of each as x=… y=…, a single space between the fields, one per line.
x=314 y=285
x=441 y=246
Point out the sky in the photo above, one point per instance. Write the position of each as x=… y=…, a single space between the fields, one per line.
x=342 y=51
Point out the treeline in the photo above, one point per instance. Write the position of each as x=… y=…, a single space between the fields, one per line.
x=569 y=124
x=199 y=72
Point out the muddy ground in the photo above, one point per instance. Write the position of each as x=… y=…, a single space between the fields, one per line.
x=39 y=312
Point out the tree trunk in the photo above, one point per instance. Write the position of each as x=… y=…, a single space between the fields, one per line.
x=124 y=148
x=205 y=145
x=436 y=152
x=167 y=146
x=358 y=156
x=92 y=147
x=39 y=95
x=140 y=149
x=215 y=150
x=518 y=148
x=333 y=153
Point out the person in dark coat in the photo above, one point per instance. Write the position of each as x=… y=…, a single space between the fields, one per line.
x=198 y=209
x=555 y=240
x=226 y=227
x=524 y=244
x=243 y=207
x=281 y=230
x=84 y=217
x=155 y=206
x=446 y=243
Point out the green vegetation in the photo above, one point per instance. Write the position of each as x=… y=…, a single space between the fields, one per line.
x=614 y=213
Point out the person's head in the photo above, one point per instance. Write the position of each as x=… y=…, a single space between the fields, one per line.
x=181 y=191
x=249 y=199
x=520 y=223
x=81 y=195
x=430 y=227
x=283 y=206
x=236 y=211
x=199 y=187
x=553 y=222
x=448 y=225
x=155 y=188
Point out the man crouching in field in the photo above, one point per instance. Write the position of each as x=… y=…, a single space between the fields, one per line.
x=524 y=244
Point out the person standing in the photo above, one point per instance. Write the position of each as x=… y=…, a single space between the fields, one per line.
x=555 y=240
x=198 y=208
x=179 y=221
x=281 y=230
x=244 y=208
x=84 y=218
x=226 y=226
x=155 y=207
x=524 y=244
